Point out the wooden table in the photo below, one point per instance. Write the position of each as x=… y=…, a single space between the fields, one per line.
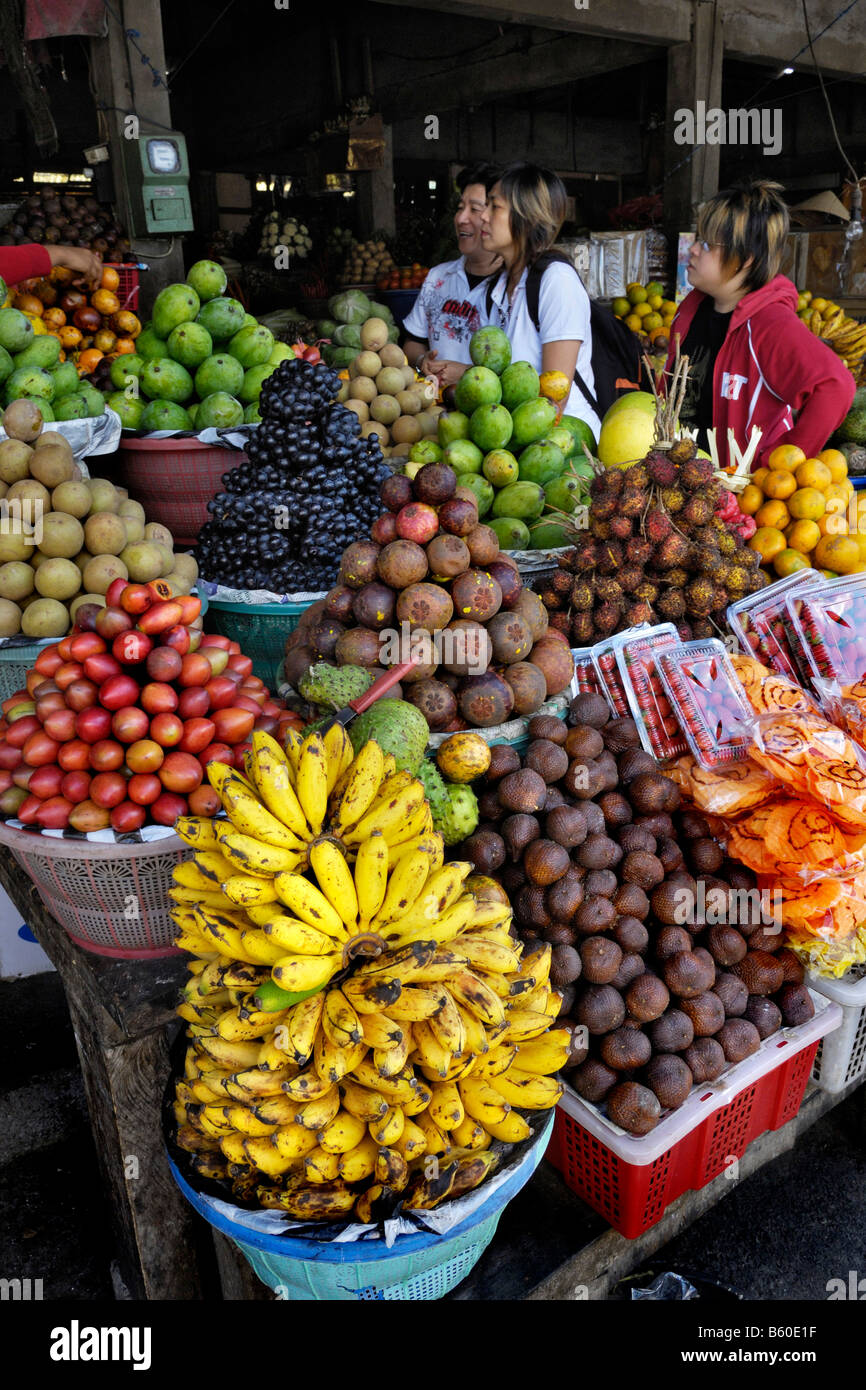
x=124 y=1021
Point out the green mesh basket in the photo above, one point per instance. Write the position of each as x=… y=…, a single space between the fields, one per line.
x=15 y=662
x=261 y=630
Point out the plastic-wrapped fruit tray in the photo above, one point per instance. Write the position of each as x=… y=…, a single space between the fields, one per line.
x=762 y=623
x=585 y=680
x=708 y=701
x=657 y=723
x=830 y=627
x=631 y=1181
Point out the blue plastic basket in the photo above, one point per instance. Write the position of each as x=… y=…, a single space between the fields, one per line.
x=416 y=1267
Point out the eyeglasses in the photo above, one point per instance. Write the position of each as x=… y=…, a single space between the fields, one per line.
x=706 y=245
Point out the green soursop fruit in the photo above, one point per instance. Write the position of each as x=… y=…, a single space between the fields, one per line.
x=460 y=814
x=434 y=788
x=334 y=686
x=397 y=727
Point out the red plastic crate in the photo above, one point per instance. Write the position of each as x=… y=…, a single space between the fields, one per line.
x=634 y=1196
x=127 y=289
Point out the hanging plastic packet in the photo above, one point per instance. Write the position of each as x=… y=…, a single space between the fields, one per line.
x=762 y=623
x=816 y=760
x=708 y=701
x=728 y=792
x=648 y=702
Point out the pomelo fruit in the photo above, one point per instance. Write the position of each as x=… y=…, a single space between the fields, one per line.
x=626 y=437
x=632 y=400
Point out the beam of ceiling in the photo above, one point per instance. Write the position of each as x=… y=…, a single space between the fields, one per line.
x=522 y=69
x=663 y=21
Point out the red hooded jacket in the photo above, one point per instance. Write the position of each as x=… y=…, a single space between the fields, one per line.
x=772 y=372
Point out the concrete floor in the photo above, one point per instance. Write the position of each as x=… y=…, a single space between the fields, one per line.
x=781 y=1235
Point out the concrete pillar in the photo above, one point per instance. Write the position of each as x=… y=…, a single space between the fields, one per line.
x=122 y=81
x=376 y=193
x=694 y=74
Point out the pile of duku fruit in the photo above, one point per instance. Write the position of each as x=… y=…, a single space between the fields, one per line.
x=355 y=1005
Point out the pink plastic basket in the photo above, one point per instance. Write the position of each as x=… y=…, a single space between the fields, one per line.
x=110 y=899
x=127 y=289
x=174 y=479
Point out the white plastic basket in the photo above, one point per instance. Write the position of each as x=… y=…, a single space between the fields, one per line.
x=841 y=1057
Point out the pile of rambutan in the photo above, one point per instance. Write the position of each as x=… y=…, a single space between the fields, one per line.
x=657 y=549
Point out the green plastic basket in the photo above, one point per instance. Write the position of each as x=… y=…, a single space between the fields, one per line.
x=261 y=630
x=15 y=662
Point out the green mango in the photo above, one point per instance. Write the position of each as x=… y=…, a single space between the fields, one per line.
x=523 y=500
x=565 y=493
x=541 y=463
x=549 y=535
x=483 y=490
x=511 y=532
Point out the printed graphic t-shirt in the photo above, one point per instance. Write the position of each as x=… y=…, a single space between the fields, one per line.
x=448 y=310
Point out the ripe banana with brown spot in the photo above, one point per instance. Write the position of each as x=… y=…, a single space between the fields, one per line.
x=318 y=1113
x=387 y=1130
x=361 y=1102
x=336 y=882
x=371 y=877
x=340 y=1022
x=312 y=781
x=363 y=780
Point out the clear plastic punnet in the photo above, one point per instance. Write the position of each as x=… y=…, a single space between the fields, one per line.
x=708 y=701
x=763 y=626
x=657 y=722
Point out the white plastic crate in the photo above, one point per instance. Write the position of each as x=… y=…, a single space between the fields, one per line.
x=841 y=1057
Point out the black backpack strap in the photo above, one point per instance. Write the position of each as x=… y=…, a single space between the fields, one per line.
x=533 y=291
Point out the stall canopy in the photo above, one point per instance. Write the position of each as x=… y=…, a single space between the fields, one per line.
x=51 y=19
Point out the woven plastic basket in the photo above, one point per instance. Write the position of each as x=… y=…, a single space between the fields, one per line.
x=174 y=479
x=110 y=899
x=15 y=662
x=127 y=289
x=422 y=1266
x=261 y=629
x=841 y=1057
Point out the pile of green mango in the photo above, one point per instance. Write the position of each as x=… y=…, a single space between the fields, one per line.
x=503 y=441
x=31 y=370
x=200 y=362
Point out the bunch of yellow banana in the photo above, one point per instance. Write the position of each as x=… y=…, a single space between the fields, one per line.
x=357 y=1011
x=846 y=336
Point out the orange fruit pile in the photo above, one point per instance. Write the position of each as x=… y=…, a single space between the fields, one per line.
x=805 y=515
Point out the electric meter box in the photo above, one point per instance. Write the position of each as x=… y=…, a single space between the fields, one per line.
x=156 y=171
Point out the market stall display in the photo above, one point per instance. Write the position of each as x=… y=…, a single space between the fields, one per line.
x=334 y=1048
x=53 y=219
x=199 y=363
x=69 y=537
x=432 y=572
x=800 y=509
x=508 y=441
x=844 y=334
x=118 y=721
x=309 y=483
x=648 y=312
x=366 y=262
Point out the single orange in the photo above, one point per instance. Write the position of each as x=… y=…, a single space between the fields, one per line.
x=836 y=462
x=807 y=504
x=833 y=524
x=750 y=499
x=106 y=302
x=110 y=278
x=788 y=562
x=768 y=541
x=554 y=385
x=773 y=514
x=813 y=473
x=803 y=536
x=124 y=345
x=786 y=456
x=839 y=553
x=759 y=477
x=780 y=483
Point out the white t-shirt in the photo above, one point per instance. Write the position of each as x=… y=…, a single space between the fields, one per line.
x=563 y=313
x=447 y=312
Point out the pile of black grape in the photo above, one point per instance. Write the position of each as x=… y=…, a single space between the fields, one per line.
x=309 y=488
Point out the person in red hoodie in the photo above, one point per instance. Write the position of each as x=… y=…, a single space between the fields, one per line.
x=29 y=261
x=751 y=360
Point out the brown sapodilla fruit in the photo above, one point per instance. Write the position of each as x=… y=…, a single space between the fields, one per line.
x=547 y=759
x=733 y=994
x=593 y=1080
x=599 y=1008
x=760 y=972
x=705 y=1060
x=647 y=997
x=601 y=959
x=545 y=862
x=625 y=1049
x=687 y=974
x=764 y=1014
x=706 y=1011
x=522 y=791
x=672 y=1032
x=739 y=1039
x=518 y=831
x=589 y=708
x=447 y=556
x=633 y=1107
x=669 y=1078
